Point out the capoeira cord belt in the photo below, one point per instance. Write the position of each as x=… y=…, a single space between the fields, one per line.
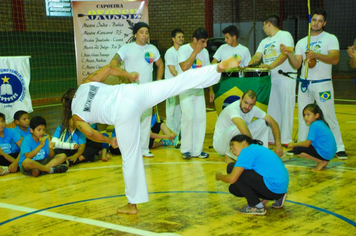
x=305 y=83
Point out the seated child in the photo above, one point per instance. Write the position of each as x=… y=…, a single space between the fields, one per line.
x=10 y=141
x=320 y=145
x=69 y=141
x=37 y=154
x=22 y=121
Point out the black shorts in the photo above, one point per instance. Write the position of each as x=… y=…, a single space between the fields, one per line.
x=308 y=150
x=5 y=162
x=156 y=128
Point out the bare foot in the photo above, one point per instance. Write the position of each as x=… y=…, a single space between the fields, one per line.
x=106 y=157
x=229 y=63
x=320 y=165
x=127 y=209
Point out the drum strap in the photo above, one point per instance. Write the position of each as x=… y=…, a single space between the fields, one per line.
x=305 y=83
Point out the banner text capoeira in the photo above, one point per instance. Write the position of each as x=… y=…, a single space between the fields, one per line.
x=14 y=86
x=101 y=28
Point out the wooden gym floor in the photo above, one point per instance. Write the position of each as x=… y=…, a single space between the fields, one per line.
x=185 y=199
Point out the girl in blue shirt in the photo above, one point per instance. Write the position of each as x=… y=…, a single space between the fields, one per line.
x=258 y=175
x=320 y=145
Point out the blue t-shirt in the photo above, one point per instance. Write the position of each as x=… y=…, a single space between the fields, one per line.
x=29 y=144
x=8 y=142
x=322 y=139
x=21 y=132
x=267 y=164
x=77 y=137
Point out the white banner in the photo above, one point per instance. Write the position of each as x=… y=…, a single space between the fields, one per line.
x=14 y=86
x=101 y=28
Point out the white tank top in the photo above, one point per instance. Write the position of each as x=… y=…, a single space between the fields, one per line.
x=95 y=102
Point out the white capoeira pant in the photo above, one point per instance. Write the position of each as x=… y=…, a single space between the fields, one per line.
x=258 y=129
x=193 y=125
x=173 y=113
x=281 y=107
x=94 y=102
x=145 y=130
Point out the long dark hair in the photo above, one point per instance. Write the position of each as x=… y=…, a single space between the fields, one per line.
x=242 y=137
x=67 y=107
x=315 y=109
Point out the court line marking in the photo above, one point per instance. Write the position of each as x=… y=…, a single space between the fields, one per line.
x=43 y=212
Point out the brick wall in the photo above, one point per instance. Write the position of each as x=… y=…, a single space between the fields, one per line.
x=233 y=11
x=165 y=15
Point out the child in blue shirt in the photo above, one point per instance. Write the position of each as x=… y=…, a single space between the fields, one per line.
x=320 y=145
x=10 y=141
x=22 y=121
x=69 y=141
x=258 y=173
x=37 y=154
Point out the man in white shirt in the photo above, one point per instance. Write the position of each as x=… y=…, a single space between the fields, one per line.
x=191 y=56
x=173 y=112
x=139 y=56
x=231 y=48
x=318 y=87
x=282 y=96
x=236 y=119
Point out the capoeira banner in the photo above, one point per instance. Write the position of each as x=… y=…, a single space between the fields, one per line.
x=101 y=28
x=14 y=86
x=231 y=89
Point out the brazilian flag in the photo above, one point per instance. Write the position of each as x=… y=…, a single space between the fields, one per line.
x=230 y=89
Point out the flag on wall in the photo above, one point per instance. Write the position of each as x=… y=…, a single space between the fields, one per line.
x=231 y=89
x=14 y=86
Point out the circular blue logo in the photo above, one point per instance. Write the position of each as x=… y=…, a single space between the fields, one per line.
x=11 y=87
x=230 y=100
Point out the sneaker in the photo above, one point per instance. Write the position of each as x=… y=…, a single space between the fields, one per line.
x=290 y=153
x=186 y=155
x=252 y=210
x=279 y=203
x=4 y=170
x=149 y=154
x=166 y=142
x=60 y=169
x=35 y=172
x=176 y=140
x=341 y=155
x=203 y=155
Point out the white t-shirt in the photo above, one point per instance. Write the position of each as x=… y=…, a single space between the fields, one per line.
x=202 y=59
x=321 y=43
x=170 y=59
x=270 y=48
x=139 y=59
x=225 y=51
x=231 y=111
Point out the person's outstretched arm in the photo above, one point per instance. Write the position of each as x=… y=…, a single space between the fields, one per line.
x=93 y=134
x=104 y=72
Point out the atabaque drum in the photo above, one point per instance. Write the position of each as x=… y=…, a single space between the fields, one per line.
x=256 y=72
x=234 y=72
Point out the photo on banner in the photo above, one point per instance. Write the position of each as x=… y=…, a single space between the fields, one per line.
x=101 y=28
x=14 y=86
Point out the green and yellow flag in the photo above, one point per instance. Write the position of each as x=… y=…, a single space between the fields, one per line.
x=230 y=89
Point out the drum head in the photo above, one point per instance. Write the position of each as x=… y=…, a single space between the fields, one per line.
x=257 y=69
